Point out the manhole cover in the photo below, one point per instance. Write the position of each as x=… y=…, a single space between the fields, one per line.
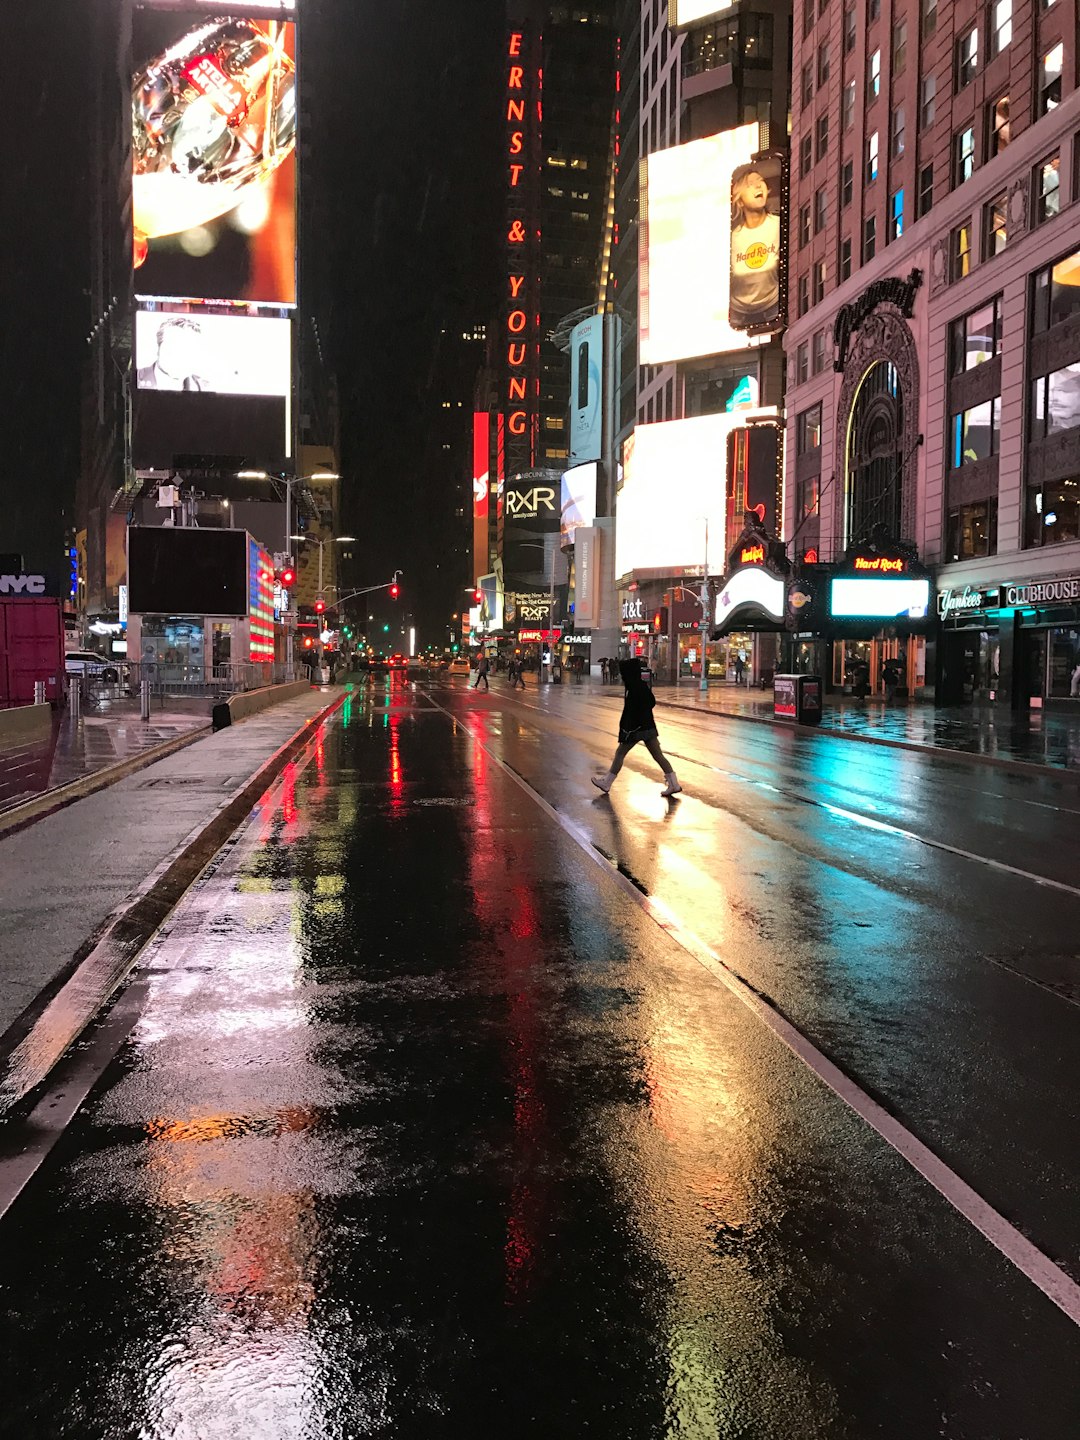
x=176 y=782
x=446 y=800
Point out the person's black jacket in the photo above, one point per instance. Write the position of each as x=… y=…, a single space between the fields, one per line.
x=637 y=713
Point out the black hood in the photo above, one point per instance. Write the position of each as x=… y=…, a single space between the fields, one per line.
x=630 y=670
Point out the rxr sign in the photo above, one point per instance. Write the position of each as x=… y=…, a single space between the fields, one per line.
x=527 y=504
x=22 y=584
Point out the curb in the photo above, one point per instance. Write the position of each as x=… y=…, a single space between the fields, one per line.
x=34 y=1043
x=1032 y=769
x=49 y=801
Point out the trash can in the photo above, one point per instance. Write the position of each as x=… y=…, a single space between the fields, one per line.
x=798 y=698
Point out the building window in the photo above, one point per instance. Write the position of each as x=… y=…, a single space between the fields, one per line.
x=807 y=18
x=804 y=294
x=851 y=28
x=994 y=212
x=823 y=64
x=845 y=259
x=819 y=352
x=804 y=227
x=976 y=433
x=1046 y=182
x=927 y=101
x=1050 y=79
x=997 y=126
x=896 y=215
x=971 y=531
x=1056 y=294
x=822 y=135
x=963 y=155
x=1055 y=402
x=1053 y=513
x=847 y=183
x=869 y=243
x=808 y=427
x=819 y=282
x=960 y=251
x=929 y=18
x=802 y=363
x=806 y=155
x=975 y=338
x=926 y=190
x=875 y=9
x=821 y=210
x=1000 y=26
x=807 y=85
x=757 y=39
x=847 y=108
x=898 y=127
x=967 y=57
x=899 y=47
x=873 y=75
x=871 y=157
x=806 y=497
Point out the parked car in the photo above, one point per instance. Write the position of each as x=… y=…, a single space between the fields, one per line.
x=92 y=665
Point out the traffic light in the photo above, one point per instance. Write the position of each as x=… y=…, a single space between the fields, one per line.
x=287 y=577
x=478 y=596
x=320 y=605
x=395 y=591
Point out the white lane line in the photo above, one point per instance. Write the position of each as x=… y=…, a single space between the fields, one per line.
x=1032 y=1263
x=882 y=826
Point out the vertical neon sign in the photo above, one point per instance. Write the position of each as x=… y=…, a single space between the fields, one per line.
x=522 y=236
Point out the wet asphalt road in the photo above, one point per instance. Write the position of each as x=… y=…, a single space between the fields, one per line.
x=424 y=1127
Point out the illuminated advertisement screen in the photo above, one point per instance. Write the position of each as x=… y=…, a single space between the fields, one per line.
x=578 y=499
x=688 y=12
x=880 y=598
x=709 y=258
x=260 y=603
x=214 y=155
x=674 y=485
x=586 y=389
x=218 y=354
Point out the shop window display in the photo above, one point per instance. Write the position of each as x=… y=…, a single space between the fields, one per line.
x=1053 y=513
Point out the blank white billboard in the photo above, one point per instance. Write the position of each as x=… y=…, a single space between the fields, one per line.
x=674 y=480
x=685 y=248
x=578 y=499
x=688 y=12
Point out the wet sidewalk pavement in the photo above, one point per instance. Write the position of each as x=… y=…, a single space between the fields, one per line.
x=1046 y=737
x=98 y=739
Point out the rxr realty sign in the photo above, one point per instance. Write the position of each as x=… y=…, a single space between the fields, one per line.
x=22 y=584
x=540 y=502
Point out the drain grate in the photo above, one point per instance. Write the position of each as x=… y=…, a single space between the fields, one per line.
x=177 y=782
x=448 y=801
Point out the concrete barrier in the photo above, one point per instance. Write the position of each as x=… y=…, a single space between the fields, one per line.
x=250 y=702
x=24 y=725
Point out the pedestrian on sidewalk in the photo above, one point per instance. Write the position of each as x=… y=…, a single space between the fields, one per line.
x=637 y=724
x=740 y=668
x=482 y=668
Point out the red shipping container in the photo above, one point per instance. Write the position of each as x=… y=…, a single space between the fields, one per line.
x=31 y=648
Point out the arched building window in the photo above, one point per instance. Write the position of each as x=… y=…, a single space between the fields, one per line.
x=875 y=455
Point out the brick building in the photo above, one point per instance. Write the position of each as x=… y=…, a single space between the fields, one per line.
x=933 y=349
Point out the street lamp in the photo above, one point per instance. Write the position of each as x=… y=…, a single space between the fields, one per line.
x=315 y=540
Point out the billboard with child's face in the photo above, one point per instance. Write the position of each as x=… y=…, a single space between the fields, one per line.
x=754 y=290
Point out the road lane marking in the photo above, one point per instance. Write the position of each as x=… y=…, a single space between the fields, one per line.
x=857 y=818
x=1030 y=1261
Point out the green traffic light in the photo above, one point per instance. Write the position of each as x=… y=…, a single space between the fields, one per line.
x=386 y=629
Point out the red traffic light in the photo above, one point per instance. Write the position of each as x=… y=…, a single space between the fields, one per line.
x=395 y=591
x=287 y=577
x=478 y=596
x=320 y=605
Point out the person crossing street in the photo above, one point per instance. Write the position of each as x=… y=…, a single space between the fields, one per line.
x=637 y=724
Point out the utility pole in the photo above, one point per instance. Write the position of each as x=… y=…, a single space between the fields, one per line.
x=704 y=626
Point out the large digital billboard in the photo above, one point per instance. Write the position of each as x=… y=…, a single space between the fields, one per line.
x=710 y=247
x=901 y=597
x=214 y=156
x=682 y=13
x=674 y=486
x=578 y=499
x=221 y=354
x=586 y=389
x=188 y=571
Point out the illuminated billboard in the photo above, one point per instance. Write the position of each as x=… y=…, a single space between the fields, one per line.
x=219 y=354
x=709 y=247
x=674 y=485
x=260 y=604
x=586 y=389
x=578 y=499
x=682 y=13
x=214 y=162
x=900 y=597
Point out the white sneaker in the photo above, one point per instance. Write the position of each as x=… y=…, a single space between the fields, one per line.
x=602 y=783
x=672 y=787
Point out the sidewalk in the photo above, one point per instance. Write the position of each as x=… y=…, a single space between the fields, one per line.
x=1050 y=738
x=97 y=740
x=64 y=876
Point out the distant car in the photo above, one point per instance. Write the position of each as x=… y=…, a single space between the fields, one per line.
x=460 y=665
x=398 y=662
x=92 y=665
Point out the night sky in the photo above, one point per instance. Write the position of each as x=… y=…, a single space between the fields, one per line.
x=401 y=204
